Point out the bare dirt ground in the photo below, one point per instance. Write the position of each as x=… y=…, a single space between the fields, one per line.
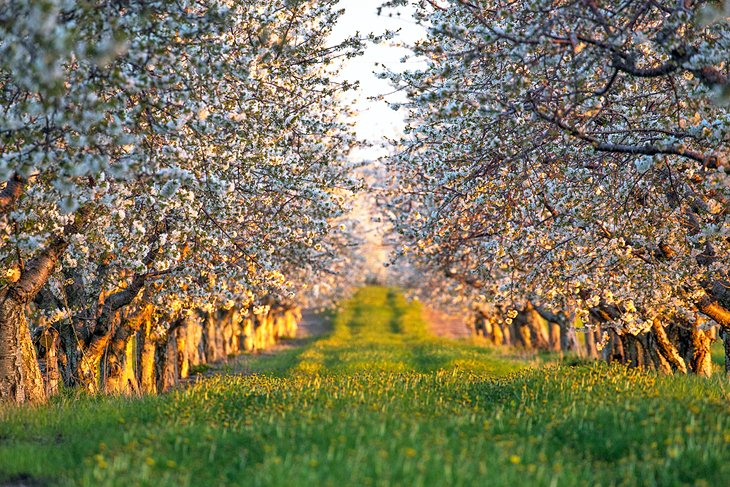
x=445 y=325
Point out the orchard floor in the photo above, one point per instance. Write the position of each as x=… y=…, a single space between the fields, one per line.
x=381 y=401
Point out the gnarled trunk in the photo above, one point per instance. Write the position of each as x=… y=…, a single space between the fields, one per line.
x=667 y=349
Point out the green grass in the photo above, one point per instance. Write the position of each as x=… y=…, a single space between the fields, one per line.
x=381 y=402
x=718 y=356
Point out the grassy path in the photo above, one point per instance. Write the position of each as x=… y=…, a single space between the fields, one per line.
x=382 y=402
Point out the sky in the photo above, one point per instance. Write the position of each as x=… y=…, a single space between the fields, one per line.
x=375 y=120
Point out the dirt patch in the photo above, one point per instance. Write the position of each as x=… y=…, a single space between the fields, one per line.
x=445 y=325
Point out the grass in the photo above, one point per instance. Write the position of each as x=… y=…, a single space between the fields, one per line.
x=381 y=402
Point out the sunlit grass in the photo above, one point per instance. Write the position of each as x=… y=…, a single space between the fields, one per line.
x=381 y=402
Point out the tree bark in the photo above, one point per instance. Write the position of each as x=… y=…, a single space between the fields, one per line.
x=702 y=356
x=667 y=349
x=521 y=331
x=11 y=193
x=590 y=343
x=497 y=334
x=555 y=337
x=147 y=348
x=47 y=347
x=614 y=350
x=248 y=334
x=536 y=324
x=713 y=309
x=166 y=363
x=20 y=376
x=120 y=377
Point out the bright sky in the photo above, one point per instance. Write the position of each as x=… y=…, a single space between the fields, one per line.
x=375 y=119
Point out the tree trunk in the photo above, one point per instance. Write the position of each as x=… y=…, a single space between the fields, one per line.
x=20 y=375
x=147 y=348
x=660 y=363
x=166 y=363
x=181 y=352
x=120 y=376
x=667 y=349
x=88 y=371
x=568 y=340
x=227 y=326
x=614 y=350
x=702 y=356
x=536 y=324
x=556 y=344
x=633 y=351
x=247 y=330
x=497 y=335
x=590 y=343
x=47 y=347
x=521 y=331
x=293 y=317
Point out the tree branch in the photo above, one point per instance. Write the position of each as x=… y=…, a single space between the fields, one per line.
x=39 y=268
x=11 y=193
